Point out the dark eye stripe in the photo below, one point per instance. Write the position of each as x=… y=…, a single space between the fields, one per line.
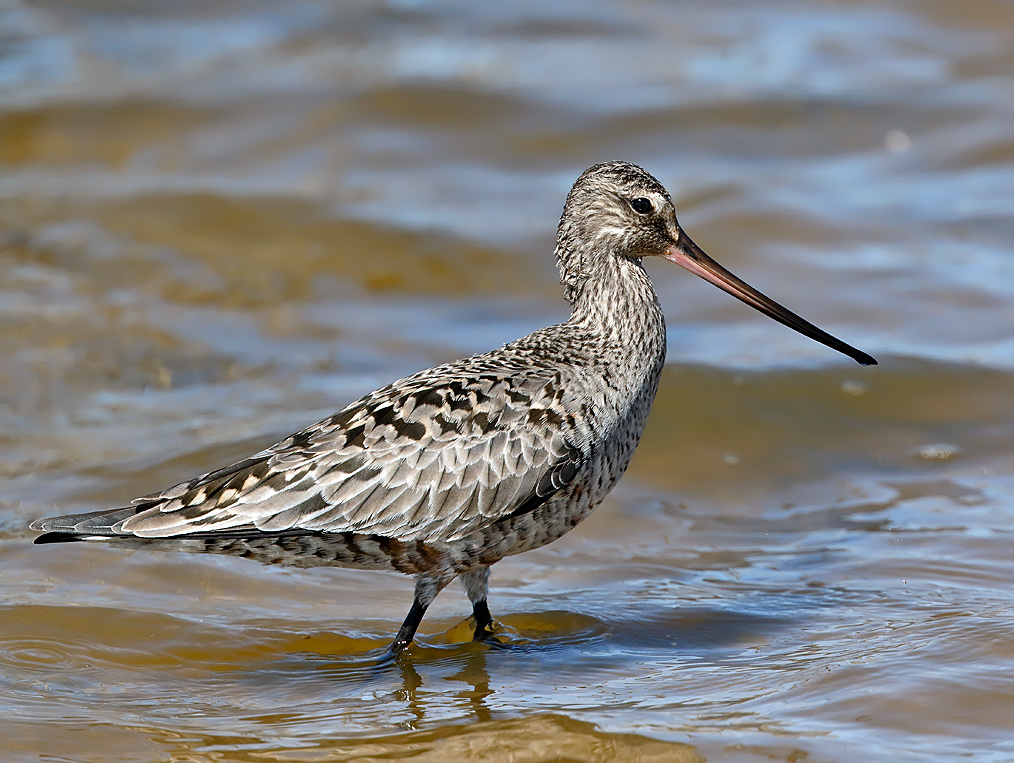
x=642 y=205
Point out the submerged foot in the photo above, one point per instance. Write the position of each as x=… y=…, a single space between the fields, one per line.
x=490 y=632
x=391 y=654
x=486 y=633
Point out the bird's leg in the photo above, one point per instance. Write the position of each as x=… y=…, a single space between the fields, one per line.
x=483 y=621
x=427 y=586
x=408 y=628
x=476 y=583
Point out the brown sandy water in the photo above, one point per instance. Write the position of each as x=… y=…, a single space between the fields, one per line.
x=220 y=222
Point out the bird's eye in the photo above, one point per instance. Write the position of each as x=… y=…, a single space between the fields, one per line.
x=642 y=205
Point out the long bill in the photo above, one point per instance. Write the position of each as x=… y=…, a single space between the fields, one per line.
x=688 y=255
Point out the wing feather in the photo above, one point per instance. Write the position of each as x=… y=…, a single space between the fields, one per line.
x=435 y=456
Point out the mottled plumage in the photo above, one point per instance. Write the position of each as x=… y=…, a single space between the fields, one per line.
x=447 y=471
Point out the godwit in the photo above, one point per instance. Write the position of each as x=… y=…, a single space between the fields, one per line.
x=443 y=473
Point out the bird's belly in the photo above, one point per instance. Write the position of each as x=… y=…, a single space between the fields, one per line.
x=564 y=511
x=516 y=534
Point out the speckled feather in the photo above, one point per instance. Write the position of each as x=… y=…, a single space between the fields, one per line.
x=448 y=470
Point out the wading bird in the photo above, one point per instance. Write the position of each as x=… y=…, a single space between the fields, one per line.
x=443 y=473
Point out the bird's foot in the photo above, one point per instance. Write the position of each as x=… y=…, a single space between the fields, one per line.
x=393 y=652
x=490 y=632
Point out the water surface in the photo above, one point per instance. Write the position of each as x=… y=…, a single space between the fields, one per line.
x=222 y=222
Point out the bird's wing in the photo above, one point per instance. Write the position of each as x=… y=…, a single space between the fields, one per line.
x=418 y=459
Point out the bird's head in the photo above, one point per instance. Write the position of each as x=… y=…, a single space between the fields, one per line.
x=617 y=210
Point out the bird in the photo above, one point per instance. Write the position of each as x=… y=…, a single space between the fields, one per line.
x=443 y=473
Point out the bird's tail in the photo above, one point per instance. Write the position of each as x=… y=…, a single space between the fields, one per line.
x=95 y=525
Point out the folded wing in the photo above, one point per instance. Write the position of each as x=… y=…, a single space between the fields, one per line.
x=413 y=460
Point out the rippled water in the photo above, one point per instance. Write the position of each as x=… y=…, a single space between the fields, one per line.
x=220 y=222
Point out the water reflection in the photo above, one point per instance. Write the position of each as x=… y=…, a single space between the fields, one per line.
x=472 y=672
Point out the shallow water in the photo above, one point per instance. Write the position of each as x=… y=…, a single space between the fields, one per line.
x=219 y=223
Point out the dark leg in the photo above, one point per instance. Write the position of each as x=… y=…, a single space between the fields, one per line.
x=476 y=583
x=483 y=621
x=427 y=586
x=407 y=631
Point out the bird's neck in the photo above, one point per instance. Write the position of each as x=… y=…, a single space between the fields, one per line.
x=616 y=302
x=618 y=320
